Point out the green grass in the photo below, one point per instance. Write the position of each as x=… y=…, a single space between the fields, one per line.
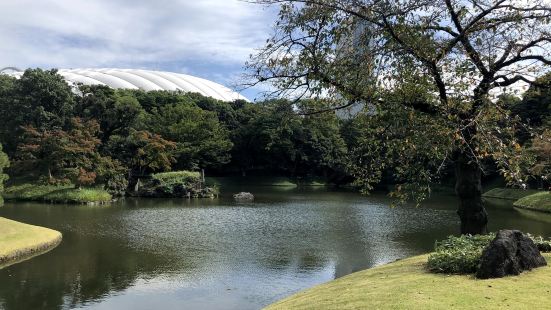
x=177 y=177
x=20 y=241
x=407 y=284
x=509 y=193
x=539 y=202
x=56 y=194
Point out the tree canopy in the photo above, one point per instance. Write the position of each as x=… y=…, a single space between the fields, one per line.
x=418 y=67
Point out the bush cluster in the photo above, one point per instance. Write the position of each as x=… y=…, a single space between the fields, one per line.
x=177 y=184
x=176 y=177
x=458 y=255
x=461 y=255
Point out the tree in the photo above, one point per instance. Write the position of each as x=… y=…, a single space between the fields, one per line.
x=4 y=163
x=274 y=135
x=541 y=148
x=143 y=152
x=440 y=61
x=63 y=155
x=41 y=99
x=201 y=140
x=115 y=112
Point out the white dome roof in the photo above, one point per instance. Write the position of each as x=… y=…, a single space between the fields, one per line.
x=146 y=80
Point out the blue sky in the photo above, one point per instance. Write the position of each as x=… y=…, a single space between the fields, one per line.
x=206 y=38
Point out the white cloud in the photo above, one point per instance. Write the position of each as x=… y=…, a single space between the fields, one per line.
x=131 y=33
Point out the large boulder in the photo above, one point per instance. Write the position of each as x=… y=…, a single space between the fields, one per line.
x=510 y=253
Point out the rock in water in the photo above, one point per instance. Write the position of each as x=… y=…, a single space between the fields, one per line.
x=510 y=253
x=243 y=196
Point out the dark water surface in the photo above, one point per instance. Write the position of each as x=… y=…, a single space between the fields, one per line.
x=216 y=254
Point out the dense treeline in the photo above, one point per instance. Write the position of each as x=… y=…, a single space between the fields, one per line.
x=55 y=133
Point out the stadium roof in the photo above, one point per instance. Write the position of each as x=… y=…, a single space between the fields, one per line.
x=143 y=79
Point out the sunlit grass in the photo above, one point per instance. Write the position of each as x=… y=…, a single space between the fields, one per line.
x=406 y=284
x=540 y=202
x=19 y=241
x=57 y=194
x=509 y=193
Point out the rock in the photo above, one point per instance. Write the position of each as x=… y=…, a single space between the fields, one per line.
x=510 y=253
x=243 y=196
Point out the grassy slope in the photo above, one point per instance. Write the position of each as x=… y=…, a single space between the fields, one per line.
x=57 y=194
x=19 y=241
x=509 y=193
x=540 y=202
x=406 y=284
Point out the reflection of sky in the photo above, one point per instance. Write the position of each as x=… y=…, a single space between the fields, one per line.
x=216 y=254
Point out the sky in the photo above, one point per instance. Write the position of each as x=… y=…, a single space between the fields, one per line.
x=211 y=39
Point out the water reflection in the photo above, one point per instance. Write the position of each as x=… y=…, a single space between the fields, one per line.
x=216 y=254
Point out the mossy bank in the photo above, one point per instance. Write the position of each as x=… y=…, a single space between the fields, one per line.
x=509 y=193
x=56 y=194
x=538 y=202
x=407 y=284
x=20 y=241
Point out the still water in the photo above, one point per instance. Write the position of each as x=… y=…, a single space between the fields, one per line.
x=217 y=254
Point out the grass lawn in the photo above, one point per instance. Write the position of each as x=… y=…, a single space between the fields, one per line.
x=406 y=284
x=509 y=193
x=539 y=202
x=20 y=241
x=55 y=194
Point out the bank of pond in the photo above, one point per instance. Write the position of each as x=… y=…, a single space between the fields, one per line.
x=19 y=241
x=287 y=220
x=408 y=284
x=535 y=200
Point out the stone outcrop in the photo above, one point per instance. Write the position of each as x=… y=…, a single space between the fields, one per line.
x=510 y=253
x=243 y=197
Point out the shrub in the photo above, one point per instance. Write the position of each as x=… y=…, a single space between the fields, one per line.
x=461 y=255
x=458 y=254
x=177 y=177
x=542 y=244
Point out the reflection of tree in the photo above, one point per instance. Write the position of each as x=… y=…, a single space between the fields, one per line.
x=83 y=269
x=80 y=270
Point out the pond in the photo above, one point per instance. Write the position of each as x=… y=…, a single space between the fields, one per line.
x=217 y=254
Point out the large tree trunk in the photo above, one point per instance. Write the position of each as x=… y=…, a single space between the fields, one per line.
x=468 y=187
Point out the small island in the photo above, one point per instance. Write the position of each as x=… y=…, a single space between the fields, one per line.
x=20 y=241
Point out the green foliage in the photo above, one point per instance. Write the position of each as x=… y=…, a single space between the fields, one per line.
x=275 y=136
x=143 y=151
x=508 y=193
x=540 y=148
x=177 y=177
x=41 y=99
x=177 y=184
x=4 y=163
x=57 y=194
x=535 y=107
x=458 y=255
x=461 y=255
x=540 y=202
x=115 y=112
x=544 y=245
x=201 y=140
x=425 y=75
x=113 y=175
x=89 y=135
x=59 y=155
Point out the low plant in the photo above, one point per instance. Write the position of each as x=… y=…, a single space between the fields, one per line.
x=461 y=255
x=57 y=194
x=458 y=255
x=177 y=177
x=544 y=245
